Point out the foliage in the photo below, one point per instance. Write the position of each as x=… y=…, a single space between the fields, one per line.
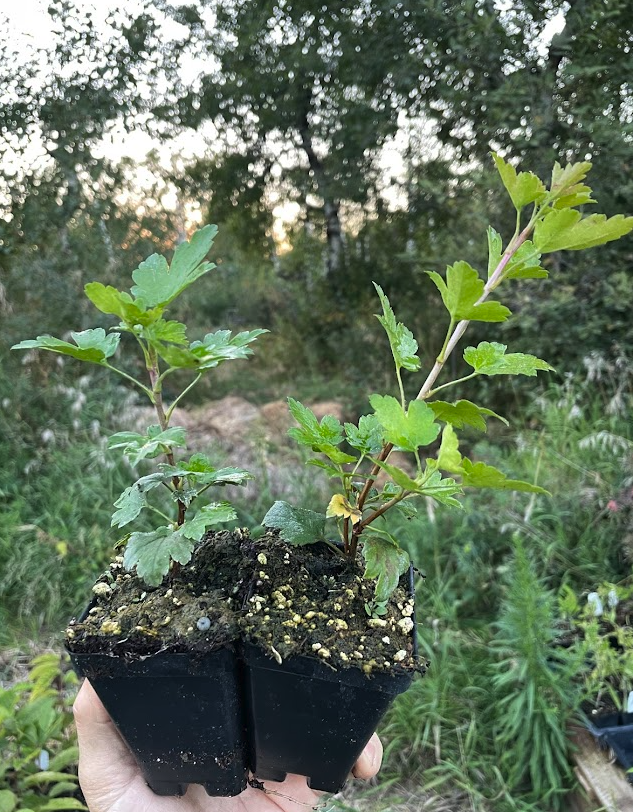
x=38 y=752
x=553 y=223
x=603 y=642
x=157 y=284
x=533 y=687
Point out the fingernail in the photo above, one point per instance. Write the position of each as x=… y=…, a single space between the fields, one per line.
x=370 y=752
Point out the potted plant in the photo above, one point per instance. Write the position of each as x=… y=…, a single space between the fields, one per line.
x=602 y=644
x=215 y=652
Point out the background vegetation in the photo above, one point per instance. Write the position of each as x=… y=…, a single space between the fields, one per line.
x=370 y=124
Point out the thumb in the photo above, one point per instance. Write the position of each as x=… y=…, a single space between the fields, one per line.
x=106 y=766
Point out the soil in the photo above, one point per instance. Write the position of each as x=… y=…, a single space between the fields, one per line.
x=286 y=600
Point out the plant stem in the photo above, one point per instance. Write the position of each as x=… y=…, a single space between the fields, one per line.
x=452 y=383
x=160 y=513
x=157 y=400
x=449 y=345
x=145 y=389
x=181 y=395
x=400 y=386
x=346 y=534
x=358 y=529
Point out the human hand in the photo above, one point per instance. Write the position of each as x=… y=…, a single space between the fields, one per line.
x=112 y=782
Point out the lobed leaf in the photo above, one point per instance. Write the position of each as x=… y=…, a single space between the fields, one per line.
x=130 y=504
x=567 y=230
x=385 y=562
x=202 y=473
x=442 y=489
x=94 y=346
x=296 y=525
x=480 y=475
x=403 y=345
x=489 y=358
x=407 y=430
x=367 y=437
x=139 y=446
x=152 y=552
x=524 y=188
x=524 y=264
x=449 y=458
x=566 y=188
x=323 y=436
x=213 y=350
x=463 y=413
x=118 y=303
x=461 y=292
x=161 y=330
x=157 y=284
x=208 y=516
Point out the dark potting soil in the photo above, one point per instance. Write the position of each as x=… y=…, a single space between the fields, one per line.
x=286 y=600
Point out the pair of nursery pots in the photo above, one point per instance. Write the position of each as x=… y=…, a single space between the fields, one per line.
x=215 y=718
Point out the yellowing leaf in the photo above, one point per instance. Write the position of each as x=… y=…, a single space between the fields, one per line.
x=340 y=506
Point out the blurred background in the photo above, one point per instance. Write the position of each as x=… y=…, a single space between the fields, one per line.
x=334 y=144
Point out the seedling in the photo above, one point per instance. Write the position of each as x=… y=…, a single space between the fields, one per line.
x=547 y=220
x=165 y=349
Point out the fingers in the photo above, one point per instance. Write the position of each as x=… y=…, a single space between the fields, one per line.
x=370 y=759
x=106 y=766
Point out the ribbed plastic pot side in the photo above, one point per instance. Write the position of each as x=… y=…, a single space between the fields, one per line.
x=181 y=715
x=305 y=717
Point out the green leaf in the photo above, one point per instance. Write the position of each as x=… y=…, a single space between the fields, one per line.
x=461 y=292
x=400 y=477
x=407 y=509
x=330 y=470
x=296 y=525
x=524 y=264
x=489 y=358
x=8 y=800
x=47 y=777
x=90 y=345
x=161 y=330
x=130 y=503
x=208 y=516
x=442 y=489
x=118 y=303
x=200 y=473
x=323 y=436
x=70 y=755
x=158 y=285
x=463 y=413
x=403 y=345
x=58 y=804
x=213 y=350
x=385 y=562
x=367 y=437
x=567 y=230
x=151 y=553
x=480 y=475
x=566 y=188
x=449 y=458
x=139 y=446
x=406 y=430
x=524 y=187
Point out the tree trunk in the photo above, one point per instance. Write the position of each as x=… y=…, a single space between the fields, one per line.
x=330 y=205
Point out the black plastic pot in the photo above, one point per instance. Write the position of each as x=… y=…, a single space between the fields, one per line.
x=306 y=718
x=615 y=730
x=208 y=718
x=180 y=714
